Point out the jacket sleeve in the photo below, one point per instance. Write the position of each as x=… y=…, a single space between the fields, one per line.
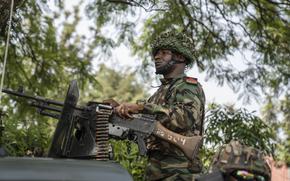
x=185 y=111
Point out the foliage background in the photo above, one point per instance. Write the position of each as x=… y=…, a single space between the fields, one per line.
x=46 y=51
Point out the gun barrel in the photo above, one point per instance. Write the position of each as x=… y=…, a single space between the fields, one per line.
x=37 y=98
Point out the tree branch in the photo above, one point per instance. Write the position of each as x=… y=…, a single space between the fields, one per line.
x=235 y=23
x=191 y=19
x=120 y=2
x=138 y=4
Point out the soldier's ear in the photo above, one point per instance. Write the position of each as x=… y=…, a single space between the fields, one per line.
x=179 y=57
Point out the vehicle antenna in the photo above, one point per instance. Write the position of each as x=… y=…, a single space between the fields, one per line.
x=6 y=48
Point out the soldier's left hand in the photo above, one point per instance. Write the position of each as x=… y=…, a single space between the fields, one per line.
x=125 y=110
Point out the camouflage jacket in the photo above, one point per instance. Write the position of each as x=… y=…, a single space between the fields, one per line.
x=179 y=105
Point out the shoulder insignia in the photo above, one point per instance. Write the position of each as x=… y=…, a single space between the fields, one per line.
x=190 y=80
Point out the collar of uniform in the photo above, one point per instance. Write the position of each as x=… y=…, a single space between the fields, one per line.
x=169 y=80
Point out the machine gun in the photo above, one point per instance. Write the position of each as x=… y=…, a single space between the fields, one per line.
x=84 y=131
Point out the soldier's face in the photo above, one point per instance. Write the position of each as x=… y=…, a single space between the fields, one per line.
x=161 y=59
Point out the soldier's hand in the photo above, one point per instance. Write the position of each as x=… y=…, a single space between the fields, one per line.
x=112 y=102
x=125 y=110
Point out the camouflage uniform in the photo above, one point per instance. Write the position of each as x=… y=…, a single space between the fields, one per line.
x=179 y=106
x=235 y=156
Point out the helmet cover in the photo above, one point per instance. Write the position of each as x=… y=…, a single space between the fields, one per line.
x=235 y=156
x=176 y=42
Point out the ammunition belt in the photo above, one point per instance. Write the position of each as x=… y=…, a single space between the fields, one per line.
x=102 y=133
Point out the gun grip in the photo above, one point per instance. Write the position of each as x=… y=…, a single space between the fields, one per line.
x=141 y=144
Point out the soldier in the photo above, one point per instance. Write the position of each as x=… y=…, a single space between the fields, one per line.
x=237 y=162
x=178 y=104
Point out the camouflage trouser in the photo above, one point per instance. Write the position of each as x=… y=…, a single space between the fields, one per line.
x=167 y=168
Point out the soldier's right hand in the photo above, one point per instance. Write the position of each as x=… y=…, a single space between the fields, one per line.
x=125 y=110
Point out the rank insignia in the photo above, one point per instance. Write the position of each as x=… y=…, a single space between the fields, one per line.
x=190 y=80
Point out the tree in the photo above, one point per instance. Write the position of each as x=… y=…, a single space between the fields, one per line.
x=225 y=123
x=43 y=60
x=276 y=112
x=5 y=12
x=219 y=28
x=120 y=85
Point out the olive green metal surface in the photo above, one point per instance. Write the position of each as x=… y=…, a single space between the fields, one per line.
x=48 y=169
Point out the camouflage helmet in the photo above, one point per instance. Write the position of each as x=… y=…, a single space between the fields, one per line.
x=235 y=156
x=174 y=41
